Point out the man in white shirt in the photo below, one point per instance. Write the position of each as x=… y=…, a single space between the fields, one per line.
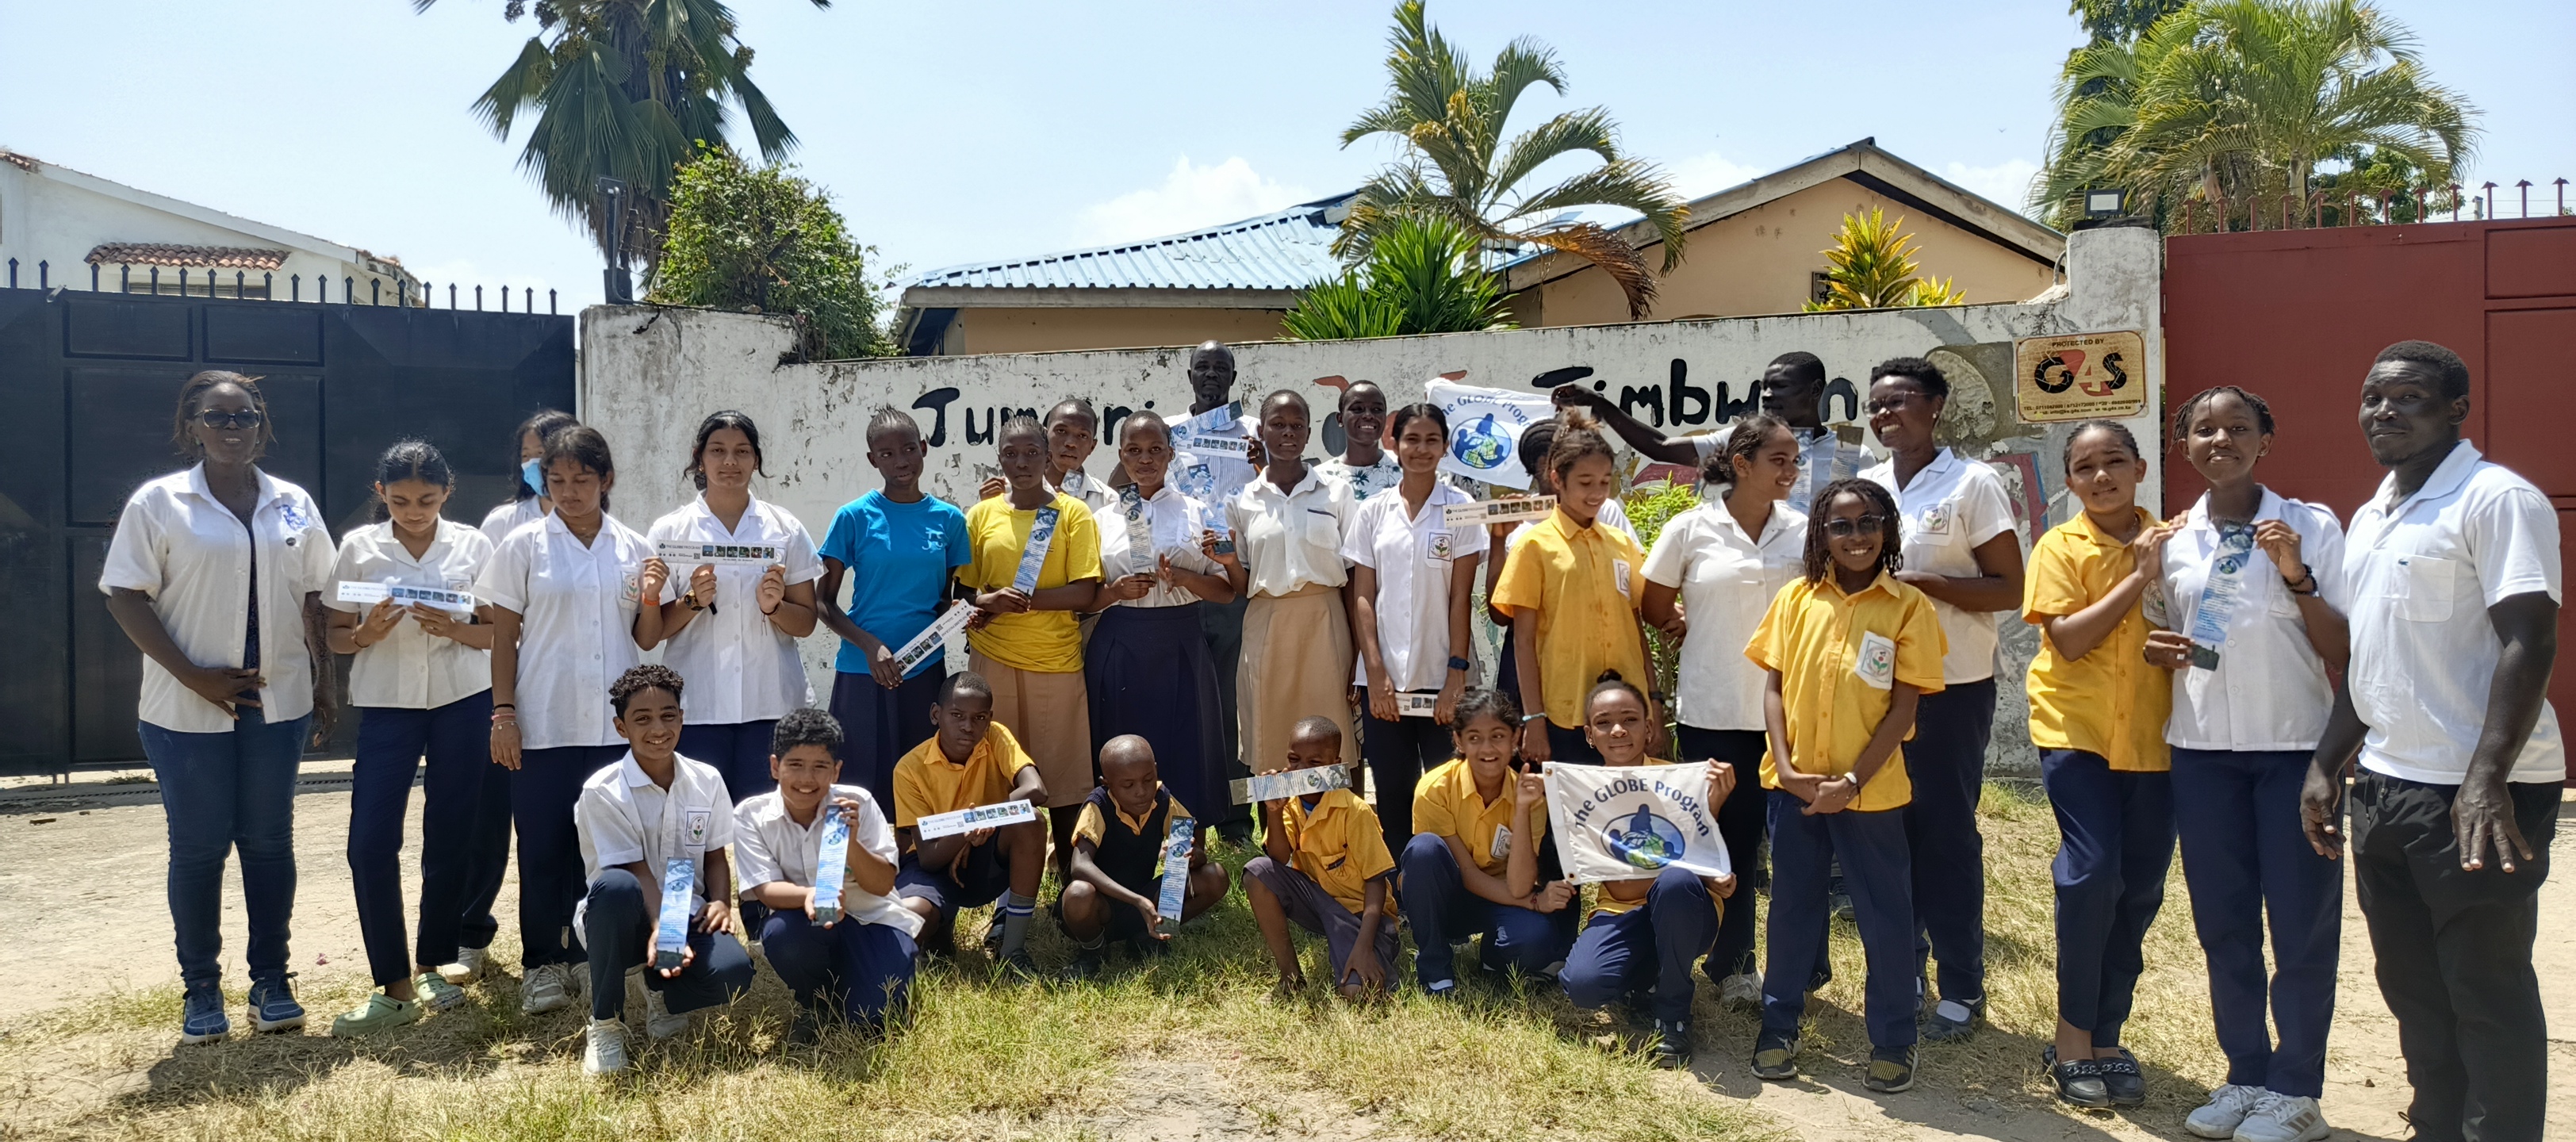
x=1793 y=389
x=1213 y=478
x=642 y=822
x=857 y=962
x=2454 y=571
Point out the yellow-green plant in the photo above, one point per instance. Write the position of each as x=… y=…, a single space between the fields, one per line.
x=1874 y=268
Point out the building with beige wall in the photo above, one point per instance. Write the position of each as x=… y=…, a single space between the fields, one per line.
x=1756 y=248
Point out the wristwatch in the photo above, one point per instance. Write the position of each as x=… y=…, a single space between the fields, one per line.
x=1457 y=663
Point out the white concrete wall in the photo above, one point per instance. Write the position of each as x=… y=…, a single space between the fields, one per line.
x=649 y=375
x=59 y=221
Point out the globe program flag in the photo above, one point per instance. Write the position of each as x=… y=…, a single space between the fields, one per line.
x=1631 y=822
x=1485 y=430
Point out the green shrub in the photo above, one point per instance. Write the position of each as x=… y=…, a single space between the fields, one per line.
x=762 y=240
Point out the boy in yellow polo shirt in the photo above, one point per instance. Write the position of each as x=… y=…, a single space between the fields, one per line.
x=1323 y=866
x=1849 y=650
x=1474 y=866
x=970 y=760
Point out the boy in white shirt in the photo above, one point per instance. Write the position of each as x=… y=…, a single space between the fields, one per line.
x=860 y=962
x=635 y=819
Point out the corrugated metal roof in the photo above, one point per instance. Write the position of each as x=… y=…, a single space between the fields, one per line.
x=1288 y=250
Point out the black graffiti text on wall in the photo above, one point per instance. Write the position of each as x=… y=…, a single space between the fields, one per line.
x=1679 y=403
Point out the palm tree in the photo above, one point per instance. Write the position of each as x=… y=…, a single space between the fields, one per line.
x=1874 y=268
x=1457 y=165
x=2233 y=99
x=1422 y=275
x=625 y=89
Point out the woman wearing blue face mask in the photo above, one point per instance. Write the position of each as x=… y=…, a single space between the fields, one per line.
x=528 y=497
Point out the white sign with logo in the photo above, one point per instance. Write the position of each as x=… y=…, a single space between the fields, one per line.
x=1632 y=822
x=1485 y=430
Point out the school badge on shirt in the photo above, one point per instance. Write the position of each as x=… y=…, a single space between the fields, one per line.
x=1619 y=573
x=697 y=831
x=1876 y=663
x=1935 y=520
x=1441 y=543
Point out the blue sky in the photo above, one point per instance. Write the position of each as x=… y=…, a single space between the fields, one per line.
x=956 y=131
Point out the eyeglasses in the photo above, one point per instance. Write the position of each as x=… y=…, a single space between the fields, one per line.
x=217 y=418
x=1878 y=405
x=1847 y=528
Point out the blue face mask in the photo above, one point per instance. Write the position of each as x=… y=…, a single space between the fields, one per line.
x=533 y=476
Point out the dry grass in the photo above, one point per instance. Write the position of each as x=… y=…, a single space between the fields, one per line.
x=1193 y=1034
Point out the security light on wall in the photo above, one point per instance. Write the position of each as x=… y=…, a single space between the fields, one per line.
x=2106 y=203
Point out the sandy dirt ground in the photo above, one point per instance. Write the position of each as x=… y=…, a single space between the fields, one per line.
x=81 y=887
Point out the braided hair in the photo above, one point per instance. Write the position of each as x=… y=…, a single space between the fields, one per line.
x=2182 y=415
x=1820 y=556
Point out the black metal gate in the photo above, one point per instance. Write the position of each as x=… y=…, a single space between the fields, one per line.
x=92 y=377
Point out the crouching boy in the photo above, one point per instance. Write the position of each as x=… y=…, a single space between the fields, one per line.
x=969 y=761
x=853 y=961
x=1118 y=844
x=636 y=819
x=1324 y=866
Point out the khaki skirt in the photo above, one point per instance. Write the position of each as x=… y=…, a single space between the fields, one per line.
x=1051 y=715
x=1296 y=663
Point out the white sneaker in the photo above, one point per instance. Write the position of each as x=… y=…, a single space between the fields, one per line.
x=549 y=987
x=467 y=968
x=658 y=1020
x=2281 y=1118
x=1741 y=990
x=606 y=1054
x=2228 y=1106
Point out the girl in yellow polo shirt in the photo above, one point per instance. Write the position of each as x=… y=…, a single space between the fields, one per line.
x=1028 y=644
x=1572 y=590
x=2097 y=714
x=1481 y=864
x=1848 y=652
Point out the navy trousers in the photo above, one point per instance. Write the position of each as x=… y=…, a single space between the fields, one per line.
x=1648 y=948
x=1878 y=870
x=1741 y=822
x=1947 y=763
x=2244 y=854
x=456 y=738
x=1398 y=754
x=879 y=725
x=739 y=751
x=221 y=792
x=1443 y=912
x=619 y=935
x=542 y=794
x=865 y=969
x=1222 y=623
x=2115 y=841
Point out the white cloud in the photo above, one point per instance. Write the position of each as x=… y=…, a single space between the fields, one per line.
x=2007 y=182
x=1191 y=196
x=1701 y=175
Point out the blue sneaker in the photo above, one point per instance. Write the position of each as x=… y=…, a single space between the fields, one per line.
x=204 y=1021
x=273 y=1006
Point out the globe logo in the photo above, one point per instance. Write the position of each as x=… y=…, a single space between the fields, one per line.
x=1644 y=840
x=1479 y=446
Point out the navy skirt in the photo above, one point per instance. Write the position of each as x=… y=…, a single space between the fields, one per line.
x=1149 y=673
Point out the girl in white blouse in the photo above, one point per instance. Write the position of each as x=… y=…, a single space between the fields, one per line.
x=1413 y=581
x=732 y=630
x=216 y=573
x=422 y=684
x=564 y=597
x=1297 y=658
x=1709 y=581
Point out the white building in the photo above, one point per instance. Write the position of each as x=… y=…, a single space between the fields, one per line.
x=69 y=229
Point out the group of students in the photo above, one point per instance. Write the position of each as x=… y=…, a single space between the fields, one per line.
x=1218 y=605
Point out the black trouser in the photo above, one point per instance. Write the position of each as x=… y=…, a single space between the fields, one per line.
x=2454 y=952
x=1398 y=754
x=1741 y=822
x=1946 y=762
x=1223 y=625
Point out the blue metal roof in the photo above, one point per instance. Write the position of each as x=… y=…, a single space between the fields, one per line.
x=1289 y=250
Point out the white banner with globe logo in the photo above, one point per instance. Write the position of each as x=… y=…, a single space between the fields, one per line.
x=1631 y=822
x=1485 y=430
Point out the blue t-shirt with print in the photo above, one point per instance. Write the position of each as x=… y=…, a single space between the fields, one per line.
x=900 y=557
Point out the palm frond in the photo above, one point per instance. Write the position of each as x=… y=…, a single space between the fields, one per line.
x=1613 y=255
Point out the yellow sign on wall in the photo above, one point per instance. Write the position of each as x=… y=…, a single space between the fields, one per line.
x=2080 y=376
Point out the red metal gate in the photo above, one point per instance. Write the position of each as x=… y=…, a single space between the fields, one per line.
x=2297 y=315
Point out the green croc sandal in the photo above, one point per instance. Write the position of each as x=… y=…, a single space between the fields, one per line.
x=381 y=1013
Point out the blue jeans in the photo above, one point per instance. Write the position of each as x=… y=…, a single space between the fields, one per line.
x=865 y=967
x=739 y=751
x=220 y=792
x=2115 y=839
x=1649 y=948
x=455 y=861
x=1442 y=911
x=2245 y=853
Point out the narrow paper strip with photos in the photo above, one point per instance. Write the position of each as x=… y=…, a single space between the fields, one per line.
x=939 y=825
x=1228 y=445
x=1176 y=874
x=370 y=594
x=1033 y=557
x=831 y=859
x=721 y=554
x=1140 y=532
x=1417 y=705
x=1511 y=510
x=934 y=638
x=1290 y=783
x=679 y=902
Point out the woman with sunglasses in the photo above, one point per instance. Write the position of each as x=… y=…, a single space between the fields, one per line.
x=216 y=573
x=1962 y=552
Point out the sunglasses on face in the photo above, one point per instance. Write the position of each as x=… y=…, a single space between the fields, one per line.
x=217 y=418
x=1847 y=528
